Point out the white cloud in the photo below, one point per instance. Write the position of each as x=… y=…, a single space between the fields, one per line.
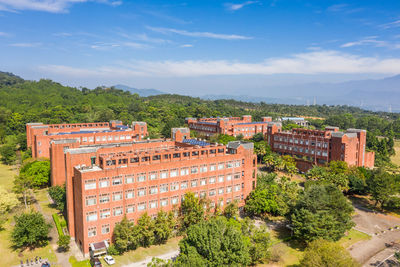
x=234 y=7
x=53 y=6
x=393 y=24
x=372 y=41
x=315 y=62
x=4 y=34
x=187 y=45
x=26 y=44
x=107 y=46
x=200 y=34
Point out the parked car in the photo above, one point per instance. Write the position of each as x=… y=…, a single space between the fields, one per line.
x=110 y=260
x=46 y=264
x=95 y=262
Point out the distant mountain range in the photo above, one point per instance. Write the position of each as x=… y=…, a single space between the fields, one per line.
x=141 y=92
x=380 y=94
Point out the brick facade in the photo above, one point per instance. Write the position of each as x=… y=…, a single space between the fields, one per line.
x=229 y=125
x=317 y=147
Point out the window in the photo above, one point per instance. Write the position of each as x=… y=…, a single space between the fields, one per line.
x=236 y=176
x=174 y=200
x=174 y=186
x=164 y=202
x=184 y=185
x=141 y=206
x=129 y=178
x=141 y=177
x=90 y=200
x=117 y=211
x=163 y=188
x=237 y=187
x=163 y=174
x=104 y=182
x=194 y=169
x=212 y=167
x=193 y=183
x=229 y=177
x=203 y=194
x=92 y=231
x=184 y=171
x=117 y=181
x=130 y=209
x=230 y=164
x=141 y=192
x=117 y=196
x=229 y=189
x=220 y=179
x=153 y=176
x=203 y=181
x=90 y=184
x=91 y=216
x=211 y=180
x=153 y=190
x=153 y=204
x=221 y=166
x=129 y=194
x=220 y=190
x=105 y=229
x=203 y=168
x=105 y=213
x=173 y=173
x=104 y=198
x=212 y=193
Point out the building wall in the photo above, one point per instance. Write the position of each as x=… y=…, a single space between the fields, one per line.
x=244 y=182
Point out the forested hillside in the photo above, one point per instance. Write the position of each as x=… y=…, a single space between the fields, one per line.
x=50 y=102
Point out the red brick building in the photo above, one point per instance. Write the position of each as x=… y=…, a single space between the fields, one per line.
x=107 y=181
x=50 y=141
x=317 y=147
x=229 y=125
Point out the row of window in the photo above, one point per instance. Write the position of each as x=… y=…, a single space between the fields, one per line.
x=247 y=129
x=153 y=204
x=92 y=231
x=301 y=141
x=301 y=150
x=129 y=194
x=90 y=139
x=141 y=177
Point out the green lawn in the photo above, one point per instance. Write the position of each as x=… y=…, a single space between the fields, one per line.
x=75 y=263
x=353 y=237
x=141 y=254
x=7 y=174
x=396 y=158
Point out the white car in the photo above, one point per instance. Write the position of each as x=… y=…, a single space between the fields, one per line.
x=110 y=260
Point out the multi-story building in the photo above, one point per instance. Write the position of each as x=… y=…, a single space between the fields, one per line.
x=229 y=125
x=50 y=141
x=297 y=120
x=317 y=147
x=105 y=182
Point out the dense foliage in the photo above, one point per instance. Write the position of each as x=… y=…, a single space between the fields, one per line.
x=322 y=253
x=30 y=230
x=58 y=194
x=322 y=212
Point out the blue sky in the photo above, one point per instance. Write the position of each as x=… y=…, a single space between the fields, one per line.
x=199 y=47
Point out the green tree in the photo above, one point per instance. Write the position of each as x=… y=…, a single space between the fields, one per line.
x=260 y=242
x=39 y=171
x=214 y=243
x=191 y=211
x=381 y=186
x=125 y=236
x=322 y=253
x=8 y=154
x=58 y=194
x=231 y=210
x=8 y=201
x=30 y=230
x=145 y=228
x=162 y=227
x=321 y=212
x=23 y=185
x=63 y=242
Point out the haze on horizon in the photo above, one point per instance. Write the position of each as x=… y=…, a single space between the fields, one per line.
x=201 y=47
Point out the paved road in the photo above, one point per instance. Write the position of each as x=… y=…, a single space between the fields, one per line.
x=371 y=223
x=166 y=256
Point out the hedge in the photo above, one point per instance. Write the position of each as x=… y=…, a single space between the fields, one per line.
x=56 y=219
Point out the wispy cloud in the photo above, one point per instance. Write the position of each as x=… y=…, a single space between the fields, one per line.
x=144 y=38
x=4 y=34
x=186 y=45
x=234 y=7
x=26 y=45
x=393 y=24
x=53 y=6
x=372 y=41
x=344 y=8
x=200 y=34
x=108 y=46
x=314 y=62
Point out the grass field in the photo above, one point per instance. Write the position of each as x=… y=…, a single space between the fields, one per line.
x=14 y=256
x=396 y=158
